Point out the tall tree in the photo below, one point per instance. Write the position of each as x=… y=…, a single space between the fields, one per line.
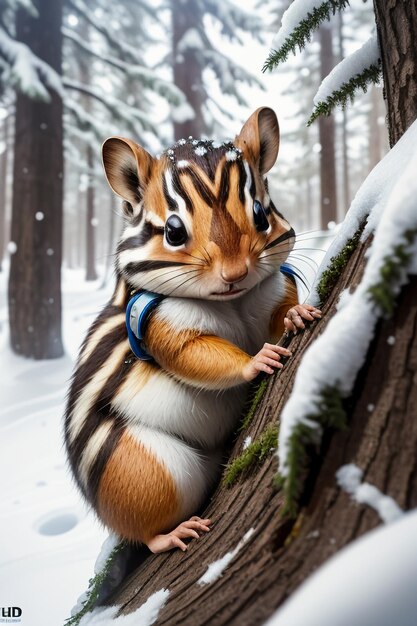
x=270 y=562
x=4 y=160
x=35 y=270
x=193 y=52
x=327 y=136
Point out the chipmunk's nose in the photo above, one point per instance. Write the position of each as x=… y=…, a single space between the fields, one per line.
x=233 y=271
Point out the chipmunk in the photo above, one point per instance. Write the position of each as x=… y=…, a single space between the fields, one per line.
x=145 y=435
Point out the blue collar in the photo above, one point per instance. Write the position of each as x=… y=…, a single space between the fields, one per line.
x=138 y=310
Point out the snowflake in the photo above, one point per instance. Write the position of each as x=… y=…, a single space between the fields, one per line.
x=231 y=155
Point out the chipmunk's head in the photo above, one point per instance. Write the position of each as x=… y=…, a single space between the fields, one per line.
x=200 y=222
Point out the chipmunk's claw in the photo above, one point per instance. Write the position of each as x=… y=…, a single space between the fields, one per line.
x=172 y=540
x=294 y=317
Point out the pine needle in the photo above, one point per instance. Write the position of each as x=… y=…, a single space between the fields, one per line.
x=303 y=32
x=340 y=97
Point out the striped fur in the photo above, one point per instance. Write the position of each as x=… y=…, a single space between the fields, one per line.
x=145 y=439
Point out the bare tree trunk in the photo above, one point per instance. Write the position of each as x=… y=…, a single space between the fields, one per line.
x=90 y=236
x=188 y=72
x=381 y=439
x=375 y=149
x=345 y=155
x=327 y=137
x=397 y=29
x=4 y=161
x=35 y=272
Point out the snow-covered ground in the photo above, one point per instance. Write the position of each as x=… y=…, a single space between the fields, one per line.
x=49 y=540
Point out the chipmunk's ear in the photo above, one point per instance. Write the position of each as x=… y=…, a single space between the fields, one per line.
x=128 y=167
x=259 y=138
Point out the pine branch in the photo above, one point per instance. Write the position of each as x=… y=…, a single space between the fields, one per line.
x=118 y=109
x=145 y=76
x=127 y=52
x=340 y=97
x=303 y=32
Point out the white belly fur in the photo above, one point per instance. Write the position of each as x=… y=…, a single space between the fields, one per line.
x=170 y=409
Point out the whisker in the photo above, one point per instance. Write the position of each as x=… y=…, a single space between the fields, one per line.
x=183 y=283
x=314 y=249
x=162 y=275
x=173 y=277
x=204 y=261
x=208 y=254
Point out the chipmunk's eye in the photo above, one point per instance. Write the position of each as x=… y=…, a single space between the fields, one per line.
x=175 y=231
x=259 y=217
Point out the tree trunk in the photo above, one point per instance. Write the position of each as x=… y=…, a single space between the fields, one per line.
x=90 y=237
x=4 y=160
x=345 y=154
x=35 y=271
x=381 y=439
x=375 y=149
x=327 y=137
x=188 y=72
x=397 y=30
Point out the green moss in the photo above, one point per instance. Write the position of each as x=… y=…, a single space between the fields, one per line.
x=256 y=452
x=94 y=586
x=331 y=414
x=303 y=32
x=369 y=76
x=336 y=266
x=257 y=397
x=384 y=292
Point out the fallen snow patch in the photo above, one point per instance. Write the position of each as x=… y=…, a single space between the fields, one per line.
x=335 y=358
x=371 y=581
x=216 y=569
x=146 y=615
x=349 y=478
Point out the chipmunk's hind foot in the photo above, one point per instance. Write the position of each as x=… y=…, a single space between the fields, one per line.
x=172 y=540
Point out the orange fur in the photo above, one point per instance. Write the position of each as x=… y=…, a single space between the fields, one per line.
x=137 y=497
x=205 y=360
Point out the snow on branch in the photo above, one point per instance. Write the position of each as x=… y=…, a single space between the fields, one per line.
x=127 y=52
x=145 y=76
x=232 y=17
x=356 y=71
x=228 y=73
x=27 y=72
x=297 y=25
x=24 y=4
x=388 y=200
x=118 y=109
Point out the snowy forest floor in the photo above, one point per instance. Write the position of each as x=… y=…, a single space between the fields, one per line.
x=49 y=539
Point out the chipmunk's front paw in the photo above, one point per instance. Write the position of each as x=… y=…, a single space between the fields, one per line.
x=172 y=540
x=294 y=318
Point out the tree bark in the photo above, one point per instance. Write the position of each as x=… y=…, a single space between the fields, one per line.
x=381 y=439
x=187 y=69
x=375 y=148
x=327 y=137
x=397 y=30
x=90 y=237
x=35 y=271
x=345 y=153
x=4 y=160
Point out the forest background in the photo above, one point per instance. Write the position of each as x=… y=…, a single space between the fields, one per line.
x=71 y=74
